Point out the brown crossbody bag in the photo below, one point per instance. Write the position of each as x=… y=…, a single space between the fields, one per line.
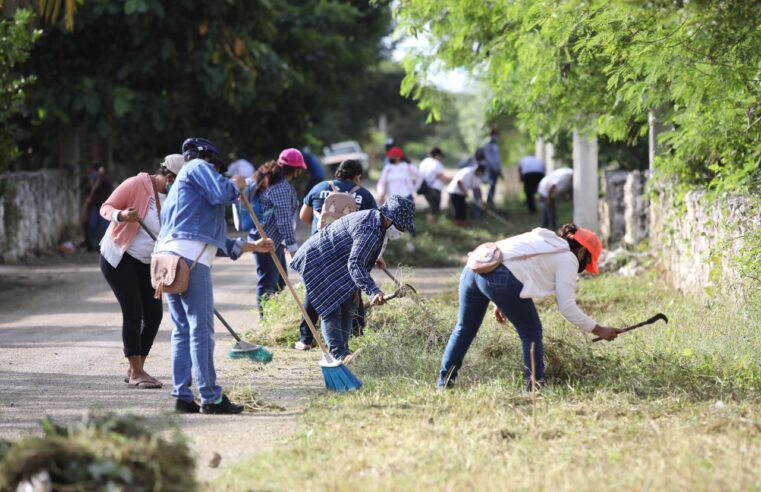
x=488 y=257
x=169 y=273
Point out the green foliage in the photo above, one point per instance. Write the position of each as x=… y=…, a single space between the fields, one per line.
x=105 y=452
x=250 y=75
x=16 y=40
x=599 y=66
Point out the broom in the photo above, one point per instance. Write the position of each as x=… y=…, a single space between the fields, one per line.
x=337 y=376
x=241 y=349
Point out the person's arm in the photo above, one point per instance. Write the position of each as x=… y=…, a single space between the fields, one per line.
x=365 y=241
x=565 y=294
x=116 y=208
x=217 y=189
x=306 y=214
x=443 y=177
x=551 y=194
x=234 y=248
x=282 y=197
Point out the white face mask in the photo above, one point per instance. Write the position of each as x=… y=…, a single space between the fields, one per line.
x=392 y=233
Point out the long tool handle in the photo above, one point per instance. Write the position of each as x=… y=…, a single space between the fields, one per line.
x=216 y=313
x=385 y=270
x=650 y=321
x=385 y=299
x=495 y=215
x=284 y=274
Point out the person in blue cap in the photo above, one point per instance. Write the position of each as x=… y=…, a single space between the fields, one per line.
x=335 y=265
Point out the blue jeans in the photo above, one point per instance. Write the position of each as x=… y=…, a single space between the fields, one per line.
x=193 y=337
x=548 y=214
x=269 y=281
x=336 y=328
x=96 y=227
x=503 y=289
x=494 y=176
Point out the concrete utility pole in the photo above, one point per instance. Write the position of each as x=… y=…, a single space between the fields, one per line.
x=539 y=148
x=549 y=157
x=655 y=129
x=585 y=182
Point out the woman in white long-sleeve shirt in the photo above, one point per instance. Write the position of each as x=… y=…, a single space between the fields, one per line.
x=535 y=264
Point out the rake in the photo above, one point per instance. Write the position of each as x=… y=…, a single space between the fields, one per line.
x=337 y=376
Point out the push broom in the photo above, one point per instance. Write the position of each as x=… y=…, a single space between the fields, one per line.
x=337 y=376
x=241 y=349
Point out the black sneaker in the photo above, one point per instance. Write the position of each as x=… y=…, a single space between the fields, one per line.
x=184 y=406
x=223 y=407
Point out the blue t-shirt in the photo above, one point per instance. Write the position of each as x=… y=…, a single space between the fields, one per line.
x=317 y=195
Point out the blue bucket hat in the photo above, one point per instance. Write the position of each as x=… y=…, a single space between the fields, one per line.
x=400 y=211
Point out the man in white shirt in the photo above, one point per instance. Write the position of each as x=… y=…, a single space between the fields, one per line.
x=555 y=184
x=466 y=179
x=432 y=180
x=532 y=172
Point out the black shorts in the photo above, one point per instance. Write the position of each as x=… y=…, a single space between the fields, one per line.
x=433 y=197
x=459 y=206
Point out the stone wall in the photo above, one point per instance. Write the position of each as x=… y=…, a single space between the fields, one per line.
x=624 y=208
x=698 y=240
x=38 y=211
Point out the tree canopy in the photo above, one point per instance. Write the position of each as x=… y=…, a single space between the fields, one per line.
x=256 y=75
x=600 y=66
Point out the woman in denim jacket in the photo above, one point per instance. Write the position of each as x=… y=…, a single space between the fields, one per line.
x=194 y=227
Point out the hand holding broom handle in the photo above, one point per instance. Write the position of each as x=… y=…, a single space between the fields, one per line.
x=284 y=275
x=659 y=316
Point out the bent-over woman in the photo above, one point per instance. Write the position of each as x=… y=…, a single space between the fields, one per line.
x=125 y=261
x=535 y=264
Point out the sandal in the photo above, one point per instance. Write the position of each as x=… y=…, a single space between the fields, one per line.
x=146 y=384
x=126 y=379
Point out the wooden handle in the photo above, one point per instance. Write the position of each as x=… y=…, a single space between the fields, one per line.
x=284 y=274
x=650 y=321
x=385 y=270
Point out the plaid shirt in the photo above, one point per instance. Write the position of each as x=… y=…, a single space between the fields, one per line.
x=337 y=260
x=280 y=226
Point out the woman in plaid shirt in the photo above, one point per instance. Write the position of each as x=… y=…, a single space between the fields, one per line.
x=335 y=264
x=277 y=200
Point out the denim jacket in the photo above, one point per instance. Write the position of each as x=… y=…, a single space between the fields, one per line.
x=195 y=208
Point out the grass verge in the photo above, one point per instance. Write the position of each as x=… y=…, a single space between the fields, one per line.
x=671 y=407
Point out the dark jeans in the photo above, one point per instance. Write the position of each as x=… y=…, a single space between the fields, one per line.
x=269 y=280
x=494 y=176
x=549 y=220
x=460 y=208
x=433 y=197
x=141 y=313
x=530 y=185
x=96 y=227
x=503 y=289
x=336 y=328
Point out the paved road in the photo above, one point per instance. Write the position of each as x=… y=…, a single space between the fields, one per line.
x=61 y=355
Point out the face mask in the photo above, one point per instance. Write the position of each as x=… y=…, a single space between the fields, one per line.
x=392 y=233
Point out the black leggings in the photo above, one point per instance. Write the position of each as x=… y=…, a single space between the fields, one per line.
x=141 y=313
x=459 y=206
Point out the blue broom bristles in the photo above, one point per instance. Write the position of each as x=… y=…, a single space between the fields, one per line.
x=338 y=377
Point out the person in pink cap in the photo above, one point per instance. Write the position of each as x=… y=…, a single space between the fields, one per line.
x=276 y=204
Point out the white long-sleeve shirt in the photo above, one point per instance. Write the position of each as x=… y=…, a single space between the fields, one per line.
x=546 y=274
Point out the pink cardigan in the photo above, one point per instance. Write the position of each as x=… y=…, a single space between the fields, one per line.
x=133 y=192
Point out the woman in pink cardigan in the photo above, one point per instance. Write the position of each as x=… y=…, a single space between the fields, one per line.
x=125 y=260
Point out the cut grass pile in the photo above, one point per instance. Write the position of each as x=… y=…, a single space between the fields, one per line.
x=666 y=407
x=105 y=452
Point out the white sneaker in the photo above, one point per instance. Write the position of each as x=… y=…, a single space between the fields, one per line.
x=303 y=346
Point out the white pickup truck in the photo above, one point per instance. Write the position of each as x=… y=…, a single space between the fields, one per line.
x=337 y=152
